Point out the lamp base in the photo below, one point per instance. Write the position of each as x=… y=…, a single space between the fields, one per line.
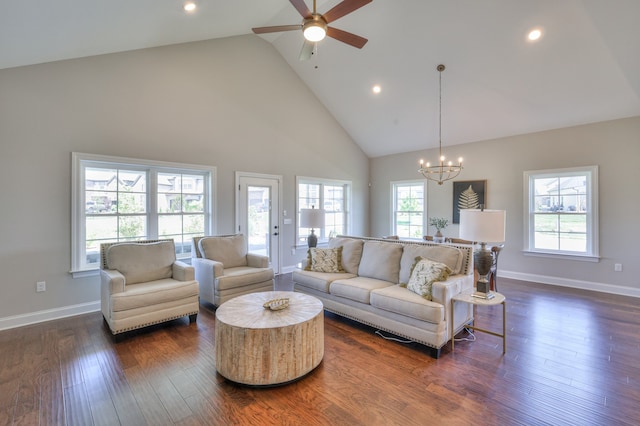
x=312 y=240
x=483 y=261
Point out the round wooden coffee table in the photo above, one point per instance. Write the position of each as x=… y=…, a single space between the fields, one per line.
x=258 y=346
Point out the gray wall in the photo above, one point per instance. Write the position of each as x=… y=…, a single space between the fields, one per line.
x=614 y=146
x=232 y=103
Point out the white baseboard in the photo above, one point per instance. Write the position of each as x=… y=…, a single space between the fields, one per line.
x=48 y=315
x=565 y=282
x=288 y=269
x=85 y=308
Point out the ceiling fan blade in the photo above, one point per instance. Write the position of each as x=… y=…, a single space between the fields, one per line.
x=307 y=50
x=277 y=28
x=346 y=37
x=301 y=8
x=344 y=8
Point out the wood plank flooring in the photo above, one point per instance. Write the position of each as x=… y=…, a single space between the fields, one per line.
x=572 y=359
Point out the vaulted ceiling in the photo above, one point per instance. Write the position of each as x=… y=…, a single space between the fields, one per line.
x=585 y=68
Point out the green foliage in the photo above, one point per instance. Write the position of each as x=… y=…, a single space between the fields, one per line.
x=409 y=204
x=439 y=223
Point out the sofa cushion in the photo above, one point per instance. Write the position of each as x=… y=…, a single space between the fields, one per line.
x=403 y=302
x=450 y=256
x=319 y=281
x=326 y=260
x=381 y=261
x=142 y=262
x=357 y=289
x=424 y=274
x=231 y=251
x=351 y=252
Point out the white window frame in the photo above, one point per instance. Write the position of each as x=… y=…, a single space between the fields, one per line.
x=80 y=161
x=394 y=194
x=346 y=211
x=592 y=250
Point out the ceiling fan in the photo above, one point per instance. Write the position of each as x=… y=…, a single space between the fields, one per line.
x=315 y=26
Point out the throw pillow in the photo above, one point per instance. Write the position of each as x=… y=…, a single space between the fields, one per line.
x=326 y=260
x=424 y=274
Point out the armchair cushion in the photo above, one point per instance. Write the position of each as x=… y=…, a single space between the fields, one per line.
x=242 y=276
x=142 y=262
x=231 y=251
x=153 y=293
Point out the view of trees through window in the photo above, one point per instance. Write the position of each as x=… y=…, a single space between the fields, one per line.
x=329 y=196
x=118 y=203
x=409 y=206
x=560 y=213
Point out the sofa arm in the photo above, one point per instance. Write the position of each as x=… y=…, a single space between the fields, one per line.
x=443 y=291
x=112 y=281
x=257 y=260
x=182 y=271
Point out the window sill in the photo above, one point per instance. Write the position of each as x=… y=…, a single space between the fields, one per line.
x=85 y=273
x=564 y=256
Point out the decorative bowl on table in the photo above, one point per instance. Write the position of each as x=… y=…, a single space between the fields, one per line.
x=277 y=304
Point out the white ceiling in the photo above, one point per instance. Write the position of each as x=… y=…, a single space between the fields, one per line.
x=586 y=67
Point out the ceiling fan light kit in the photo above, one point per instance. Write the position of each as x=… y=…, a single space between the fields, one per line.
x=315 y=26
x=314 y=29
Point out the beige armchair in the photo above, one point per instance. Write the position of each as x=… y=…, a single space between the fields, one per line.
x=143 y=284
x=224 y=269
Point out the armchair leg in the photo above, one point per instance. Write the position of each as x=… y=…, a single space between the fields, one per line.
x=192 y=318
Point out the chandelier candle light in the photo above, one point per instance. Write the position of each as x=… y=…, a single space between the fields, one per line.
x=440 y=172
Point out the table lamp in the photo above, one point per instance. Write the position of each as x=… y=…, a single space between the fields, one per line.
x=312 y=218
x=483 y=226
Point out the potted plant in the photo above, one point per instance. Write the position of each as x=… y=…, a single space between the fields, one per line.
x=439 y=223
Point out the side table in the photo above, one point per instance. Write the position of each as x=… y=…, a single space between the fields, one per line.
x=498 y=299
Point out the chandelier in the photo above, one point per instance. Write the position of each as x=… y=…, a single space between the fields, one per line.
x=440 y=172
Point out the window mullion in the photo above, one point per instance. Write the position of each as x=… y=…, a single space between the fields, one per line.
x=152 y=204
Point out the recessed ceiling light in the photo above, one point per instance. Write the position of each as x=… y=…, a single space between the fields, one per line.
x=534 y=34
x=189 y=6
x=376 y=89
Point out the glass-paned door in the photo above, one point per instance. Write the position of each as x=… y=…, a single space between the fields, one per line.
x=258 y=213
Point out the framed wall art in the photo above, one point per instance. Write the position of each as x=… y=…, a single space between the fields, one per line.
x=468 y=194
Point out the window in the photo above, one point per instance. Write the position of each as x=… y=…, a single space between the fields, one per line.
x=122 y=199
x=330 y=195
x=562 y=212
x=408 y=209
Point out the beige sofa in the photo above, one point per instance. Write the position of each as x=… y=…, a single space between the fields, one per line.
x=224 y=268
x=141 y=284
x=372 y=290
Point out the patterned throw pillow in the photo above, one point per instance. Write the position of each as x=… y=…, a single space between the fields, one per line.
x=326 y=260
x=424 y=274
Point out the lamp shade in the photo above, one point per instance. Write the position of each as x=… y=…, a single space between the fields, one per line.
x=311 y=218
x=485 y=226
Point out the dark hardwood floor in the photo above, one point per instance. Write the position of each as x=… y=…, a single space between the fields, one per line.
x=573 y=358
